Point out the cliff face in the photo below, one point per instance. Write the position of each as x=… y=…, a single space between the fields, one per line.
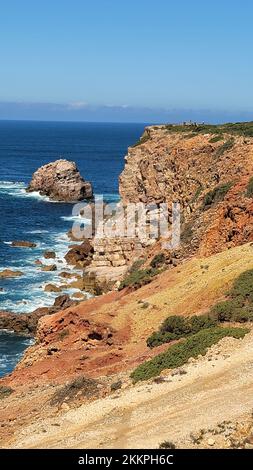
x=207 y=172
x=168 y=166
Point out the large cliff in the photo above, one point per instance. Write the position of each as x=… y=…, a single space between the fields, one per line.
x=207 y=169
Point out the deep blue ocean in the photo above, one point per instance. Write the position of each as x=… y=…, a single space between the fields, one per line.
x=99 y=150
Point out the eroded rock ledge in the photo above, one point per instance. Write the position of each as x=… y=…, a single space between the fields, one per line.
x=26 y=323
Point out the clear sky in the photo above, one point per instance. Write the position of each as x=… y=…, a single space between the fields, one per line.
x=125 y=58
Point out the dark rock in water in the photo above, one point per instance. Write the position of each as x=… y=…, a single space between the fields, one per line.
x=50 y=267
x=80 y=255
x=49 y=255
x=23 y=244
x=52 y=288
x=6 y=273
x=26 y=323
x=61 y=181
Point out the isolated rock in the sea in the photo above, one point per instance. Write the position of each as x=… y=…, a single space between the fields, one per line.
x=6 y=273
x=50 y=267
x=80 y=255
x=49 y=255
x=23 y=244
x=60 y=181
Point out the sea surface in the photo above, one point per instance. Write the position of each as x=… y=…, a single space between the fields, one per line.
x=98 y=150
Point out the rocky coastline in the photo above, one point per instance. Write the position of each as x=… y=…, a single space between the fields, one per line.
x=86 y=353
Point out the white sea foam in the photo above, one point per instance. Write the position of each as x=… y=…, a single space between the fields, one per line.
x=35 y=232
x=73 y=218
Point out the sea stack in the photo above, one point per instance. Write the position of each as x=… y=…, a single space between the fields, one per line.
x=60 y=181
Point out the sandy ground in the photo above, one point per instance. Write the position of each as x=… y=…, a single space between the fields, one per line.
x=215 y=388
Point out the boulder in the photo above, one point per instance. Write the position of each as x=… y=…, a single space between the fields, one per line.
x=60 y=181
x=49 y=255
x=6 y=273
x=52 y=288
x=50 y=267
x=80 y=255
x=23 y=244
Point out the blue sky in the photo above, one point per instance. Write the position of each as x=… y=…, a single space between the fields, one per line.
x=126 y=59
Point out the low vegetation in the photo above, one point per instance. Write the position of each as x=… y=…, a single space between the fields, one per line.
x=238 y=306
x=167 y=445
x=63 y=334
x=158 y=261
x=5 y=391
x=197 y=193
x=80 y=387
x=249 y=190
x=244 y=129
x=142 y=140
x=216 y=138
x=187 y=232
x=217 y=194
x=176 y=327
x=228 y=145
x=178 y=354
x=138 y=278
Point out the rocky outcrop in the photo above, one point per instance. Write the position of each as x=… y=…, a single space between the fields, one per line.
x=8 y=273
x=26 y=324
x=49 y=255
x=49 y=267
x=80 y=255
x=60 y=181
x=23 y=244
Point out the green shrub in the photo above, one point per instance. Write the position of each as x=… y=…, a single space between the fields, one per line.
x=158 y=260
x=137 y=265
x=167 y=445
x=157 y=338
x=243 y=286
x=228 y=145
x=249 y=191
x=178 y=354
x=239 y=305
x=175 y=324
x=176 y=327
x=141 y=141
x=138 y=278
x=197 y=193
x=239 y=128
x=216 y=138
x=5 y=391
x=187 y=233
x=79 y=387
x=225 y=311
x=217 y=194
x=63 y=334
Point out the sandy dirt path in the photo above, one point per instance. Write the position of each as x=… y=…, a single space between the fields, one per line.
x=216 y=388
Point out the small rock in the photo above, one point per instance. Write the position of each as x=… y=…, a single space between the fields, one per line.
x=49 y=255
x=52 y=288
x=23 y=244
x=9 y=273
x=248 y=446
x=211 y=442
x=50 y=267
x=65 y=406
